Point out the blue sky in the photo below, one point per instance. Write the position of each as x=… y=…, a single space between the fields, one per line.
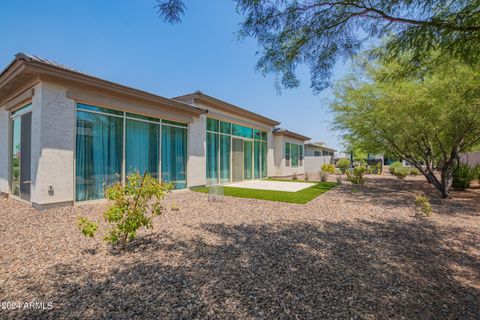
x=126 y=42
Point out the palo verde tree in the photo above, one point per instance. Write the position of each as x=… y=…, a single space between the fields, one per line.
x=320 y=32
x=426 y=119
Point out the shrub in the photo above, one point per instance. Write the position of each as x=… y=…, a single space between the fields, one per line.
x=306 y=177
x=394 y=165
x=463 y=175
x=294 y=176
x=379 y=168
x=414 y=172
x=322 y=175
x=328 y=168
x=401 y=172
x=132 y=206
x=343 y=164
x=339 y=179
x=356 y=175
x=87 y=227
x=422 y=206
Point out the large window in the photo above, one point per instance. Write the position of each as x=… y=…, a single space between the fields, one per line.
x=111 y=144
x=174 y=155
x=142 y=147
x=99 y=153
x=293 y=155
x=219 y=156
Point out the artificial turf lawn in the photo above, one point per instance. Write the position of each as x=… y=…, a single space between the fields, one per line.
x=301 y=196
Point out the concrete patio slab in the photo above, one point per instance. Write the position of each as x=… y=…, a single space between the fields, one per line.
x=272 y=185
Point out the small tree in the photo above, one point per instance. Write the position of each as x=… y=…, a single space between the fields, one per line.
x=132 y=206
x=343 y=164
x=426 y=119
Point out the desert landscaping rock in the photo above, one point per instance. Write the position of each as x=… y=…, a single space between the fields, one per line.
x=351 y=253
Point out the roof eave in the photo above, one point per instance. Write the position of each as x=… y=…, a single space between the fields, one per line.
x=201 y=97
x=291 y=135
x=21 y=64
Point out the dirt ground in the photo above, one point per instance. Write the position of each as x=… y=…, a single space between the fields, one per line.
x=351 y=253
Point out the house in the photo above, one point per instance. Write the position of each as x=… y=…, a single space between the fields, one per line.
x=318 y=149
x=316 y=155
x=66 y=135
x=289 y=153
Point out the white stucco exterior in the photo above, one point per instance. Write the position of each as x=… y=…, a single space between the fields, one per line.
x=281 y=169
x=196 y=164
x=53 y=140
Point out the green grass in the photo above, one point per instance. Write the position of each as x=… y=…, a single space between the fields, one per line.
x=301 y=197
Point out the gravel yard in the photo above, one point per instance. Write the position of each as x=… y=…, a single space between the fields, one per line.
x=351 y=253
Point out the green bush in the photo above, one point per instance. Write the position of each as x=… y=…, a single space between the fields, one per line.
x=328 y=168
x=463 y=175
x=343 y=164
x=422 y=206
x=393 y=166
x=87 y=227
x=379 y=168
x=414 y=172
x=401 y=172
x=132 y=206
x=355 y=176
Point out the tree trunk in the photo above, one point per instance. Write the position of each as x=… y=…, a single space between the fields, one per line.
x=446 y=178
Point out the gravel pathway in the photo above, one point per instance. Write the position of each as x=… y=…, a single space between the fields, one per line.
x=352 y=253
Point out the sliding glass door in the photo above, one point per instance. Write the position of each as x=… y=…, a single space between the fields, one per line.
x=16 y=148
x=234 y=152
x=248 y=159
x=237 y=159
x=225 y=150
x=21 y=152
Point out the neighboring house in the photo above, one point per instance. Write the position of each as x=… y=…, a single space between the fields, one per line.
x=318 y=149
x=66 y=135
x=289 y=152
x=316 y=155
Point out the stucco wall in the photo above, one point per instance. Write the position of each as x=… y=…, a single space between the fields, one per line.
x=314 y=164
x=53 y=134
x=270 y=154
x=4 y=151
x=196 y=165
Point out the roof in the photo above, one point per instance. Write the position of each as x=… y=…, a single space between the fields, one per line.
x=288 y=133
x=320 y=145
x=226 y=106
x=26 y=68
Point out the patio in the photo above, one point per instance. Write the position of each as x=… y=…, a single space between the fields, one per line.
x=272 y=185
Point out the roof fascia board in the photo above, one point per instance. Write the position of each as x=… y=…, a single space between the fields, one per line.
x=291 y=135
x=230 y=108
x=20 y=99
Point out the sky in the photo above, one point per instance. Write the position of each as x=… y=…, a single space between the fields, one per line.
x=125 y=41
